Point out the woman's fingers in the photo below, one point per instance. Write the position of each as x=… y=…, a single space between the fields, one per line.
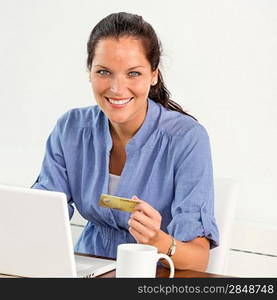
x=144 y=220
x=146 y=208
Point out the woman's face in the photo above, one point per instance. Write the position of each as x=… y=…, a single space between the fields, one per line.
x=121 y=78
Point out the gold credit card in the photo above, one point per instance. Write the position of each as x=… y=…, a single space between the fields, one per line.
x=115 y=202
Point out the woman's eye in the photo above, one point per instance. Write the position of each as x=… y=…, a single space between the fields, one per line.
x=103 y=72
x=134 y=74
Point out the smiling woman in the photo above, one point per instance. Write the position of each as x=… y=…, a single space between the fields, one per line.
x=135 y=141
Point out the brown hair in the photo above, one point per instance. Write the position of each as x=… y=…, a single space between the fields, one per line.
x=121 y=24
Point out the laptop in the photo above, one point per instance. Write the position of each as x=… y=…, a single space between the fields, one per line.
x=35 y=237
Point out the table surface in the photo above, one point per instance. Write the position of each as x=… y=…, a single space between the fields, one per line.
x=162 y=272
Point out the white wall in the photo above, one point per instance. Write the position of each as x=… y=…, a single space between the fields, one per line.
x=219 y=63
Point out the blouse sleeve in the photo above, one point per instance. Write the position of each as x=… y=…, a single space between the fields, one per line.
x=193 y=205
x=53 y=174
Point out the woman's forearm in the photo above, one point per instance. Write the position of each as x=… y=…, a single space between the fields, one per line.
x=192 y=255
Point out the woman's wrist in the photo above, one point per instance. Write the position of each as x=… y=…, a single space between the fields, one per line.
x=163 y=242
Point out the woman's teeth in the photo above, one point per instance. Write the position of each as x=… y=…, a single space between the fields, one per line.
x=119 y=102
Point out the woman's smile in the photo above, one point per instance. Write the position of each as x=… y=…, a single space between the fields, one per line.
x=119 y=103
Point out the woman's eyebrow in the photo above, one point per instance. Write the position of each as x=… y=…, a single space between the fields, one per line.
x=136 y=67
x=101 y=66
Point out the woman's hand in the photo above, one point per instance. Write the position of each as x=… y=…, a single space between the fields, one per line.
x=145 y=227
x=145 y=223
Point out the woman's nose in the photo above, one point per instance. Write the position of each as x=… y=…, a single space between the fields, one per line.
x=118 y=86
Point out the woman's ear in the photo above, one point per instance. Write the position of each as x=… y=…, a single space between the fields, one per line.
x=155 y=77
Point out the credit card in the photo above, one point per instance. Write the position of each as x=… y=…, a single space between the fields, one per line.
x=119 y=203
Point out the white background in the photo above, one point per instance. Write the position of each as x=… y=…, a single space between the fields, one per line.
x=219 y=62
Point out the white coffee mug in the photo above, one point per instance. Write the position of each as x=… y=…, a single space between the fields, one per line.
x=139 y=261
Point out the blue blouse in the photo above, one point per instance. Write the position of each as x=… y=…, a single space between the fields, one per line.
x=168 y=164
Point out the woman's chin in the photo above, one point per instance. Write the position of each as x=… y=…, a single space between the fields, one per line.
x=118 y=121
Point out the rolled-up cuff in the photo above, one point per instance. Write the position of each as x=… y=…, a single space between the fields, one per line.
x=188 y=226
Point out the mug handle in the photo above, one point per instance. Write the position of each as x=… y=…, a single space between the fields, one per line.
x=169 y=260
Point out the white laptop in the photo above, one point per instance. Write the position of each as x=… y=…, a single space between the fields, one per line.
x=35 y=237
